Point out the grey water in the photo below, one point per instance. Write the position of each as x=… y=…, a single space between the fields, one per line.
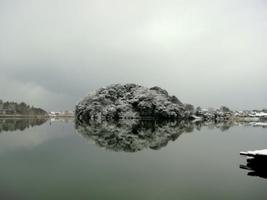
x=58 y=160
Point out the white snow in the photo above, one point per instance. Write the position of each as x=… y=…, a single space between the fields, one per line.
x=261 y=114
x=256 y=152
x=260 y=124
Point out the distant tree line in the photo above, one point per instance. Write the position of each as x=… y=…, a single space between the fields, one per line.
x=13 y=108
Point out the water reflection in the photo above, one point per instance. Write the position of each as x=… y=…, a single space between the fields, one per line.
x=136 y=135
x=257 y=166
x=61 y=119
x=13 y=124
x=132 y=136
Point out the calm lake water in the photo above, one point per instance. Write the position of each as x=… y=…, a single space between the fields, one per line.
x=53 y=160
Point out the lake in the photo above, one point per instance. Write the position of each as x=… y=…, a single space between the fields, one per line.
x=57 y=159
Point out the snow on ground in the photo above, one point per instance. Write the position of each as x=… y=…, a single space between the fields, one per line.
x=260 y=124
x=256 y=152
x=261 y=114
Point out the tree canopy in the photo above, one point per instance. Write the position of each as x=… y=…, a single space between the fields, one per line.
x=22 y=108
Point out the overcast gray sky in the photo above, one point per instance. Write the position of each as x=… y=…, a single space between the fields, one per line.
x=208 y=52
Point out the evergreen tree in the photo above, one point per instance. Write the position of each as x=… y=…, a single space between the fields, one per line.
x=20 y=108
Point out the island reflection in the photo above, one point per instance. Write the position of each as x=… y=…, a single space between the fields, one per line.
x=137 y=135
x=13 y=124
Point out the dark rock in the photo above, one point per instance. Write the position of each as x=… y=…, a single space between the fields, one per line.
x=257 y=166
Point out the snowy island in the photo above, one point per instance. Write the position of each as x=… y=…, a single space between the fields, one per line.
x=131 y=117
x=132 y=101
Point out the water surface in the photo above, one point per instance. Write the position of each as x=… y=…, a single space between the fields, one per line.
x=53 y=160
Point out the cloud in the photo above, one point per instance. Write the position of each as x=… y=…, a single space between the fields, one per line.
x=207 y=53
x=32 y=94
